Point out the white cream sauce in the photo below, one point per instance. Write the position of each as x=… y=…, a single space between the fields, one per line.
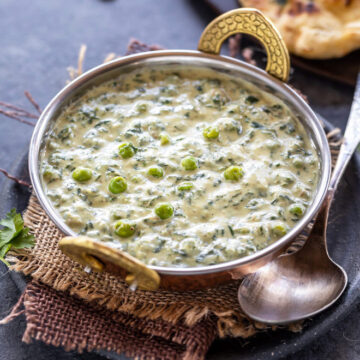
x=217 y=220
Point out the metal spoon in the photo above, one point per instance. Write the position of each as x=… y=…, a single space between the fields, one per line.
x=302 y=284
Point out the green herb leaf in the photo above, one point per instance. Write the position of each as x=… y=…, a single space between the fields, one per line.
x=23 y=240
x=3 y=252
x=257 y=125
x=13 y=224
x=231 y=230
x=13 y=234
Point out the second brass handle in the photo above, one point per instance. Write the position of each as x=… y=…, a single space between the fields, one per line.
x=101 y=257
x=254 y=23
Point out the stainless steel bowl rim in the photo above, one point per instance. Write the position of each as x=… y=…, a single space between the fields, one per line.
x=40 y=131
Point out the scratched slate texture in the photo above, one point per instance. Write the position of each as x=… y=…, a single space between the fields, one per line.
x=39 y=39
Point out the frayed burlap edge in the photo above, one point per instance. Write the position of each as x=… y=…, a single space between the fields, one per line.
x=161 y=339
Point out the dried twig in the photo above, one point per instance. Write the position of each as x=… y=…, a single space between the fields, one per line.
x=109 y=57
x=81 y=58
x=235 y=49
x=15 y=115
x=20 y=111
x=248 y=54
x=13 y=178
x=136 y=46
x=74 y=73
x=335 y=133
x=235 y=45
x=303 y=96
x=32 y=101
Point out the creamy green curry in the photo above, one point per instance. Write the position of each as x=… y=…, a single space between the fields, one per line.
x=180 y=167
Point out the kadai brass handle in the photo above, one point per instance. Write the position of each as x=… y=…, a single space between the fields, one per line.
x=101 y=257
x=254 y=23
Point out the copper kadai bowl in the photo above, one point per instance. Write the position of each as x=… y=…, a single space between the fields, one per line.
x=100 y=257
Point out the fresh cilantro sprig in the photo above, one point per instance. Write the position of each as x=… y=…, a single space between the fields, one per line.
x=13 y=234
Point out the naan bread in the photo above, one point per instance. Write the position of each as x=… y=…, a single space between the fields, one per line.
x=318 y=29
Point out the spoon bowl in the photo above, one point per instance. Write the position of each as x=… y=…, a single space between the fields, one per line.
x=292 y=288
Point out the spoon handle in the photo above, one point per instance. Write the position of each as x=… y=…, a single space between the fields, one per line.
x=317 y=238
x=350 y=141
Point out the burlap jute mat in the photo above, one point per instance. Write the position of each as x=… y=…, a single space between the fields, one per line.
x=59 y=319
x=65 y=306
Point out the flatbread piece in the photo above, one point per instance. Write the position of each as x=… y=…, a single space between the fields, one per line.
x=317 y=29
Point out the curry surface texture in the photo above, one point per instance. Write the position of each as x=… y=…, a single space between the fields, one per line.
x=180 y=168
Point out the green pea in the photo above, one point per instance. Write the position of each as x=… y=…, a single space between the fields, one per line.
x=156 y=171
x=189 y=163
x=164 y=210
x=124 y=229
x=126 y=150
x=141 y=108
x=279 y=229
x=164 y=139
x=185 y=186
x=298 y=162
x=117 y=185
x=82 y=174
x=244 y=230
x=47 y=174
x=296 y=209
x=233 y=173
x=50 y=174
x=211 y=132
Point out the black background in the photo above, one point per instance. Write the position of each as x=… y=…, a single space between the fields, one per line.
x=39 y=39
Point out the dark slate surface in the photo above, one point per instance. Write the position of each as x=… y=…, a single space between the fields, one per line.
x=39 y=39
